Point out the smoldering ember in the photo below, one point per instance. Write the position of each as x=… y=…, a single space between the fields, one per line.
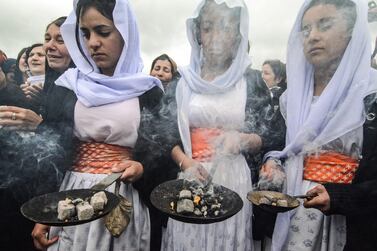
x=188 y=125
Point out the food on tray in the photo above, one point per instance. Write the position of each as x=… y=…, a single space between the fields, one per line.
x=272 y=201
x=83 y=209
x=98 y=201
x=198 y=201
x=66 y=209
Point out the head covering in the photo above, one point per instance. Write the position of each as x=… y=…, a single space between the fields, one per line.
x=7 y=65
x=191 y=80
x=93 y=88
x=311 y=126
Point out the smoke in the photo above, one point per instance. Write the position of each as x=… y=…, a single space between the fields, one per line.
x=31 y=164
x=276 y=182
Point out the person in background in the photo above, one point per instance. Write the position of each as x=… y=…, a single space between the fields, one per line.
x=103 y=41
x=35 y=164
x=274 y=75
x=11 y=94
x=35 y=58
x=22 y=67
x=165 y=69
x=10 y=70
x=329 y=108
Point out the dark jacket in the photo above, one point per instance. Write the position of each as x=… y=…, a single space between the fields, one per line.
x=12 y=95
x=358 y=201
x=33 y=165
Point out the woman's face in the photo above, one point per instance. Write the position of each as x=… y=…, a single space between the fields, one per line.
x=325 y=35
x=268 y=76
x=57 y=54
x=36 y=61
x=103 y=40
x=162 y=70
x=22 y=65
x=219 y=32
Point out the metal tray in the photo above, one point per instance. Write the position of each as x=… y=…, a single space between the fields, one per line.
x=43 y=209
x=168 y=191
x=255 y=196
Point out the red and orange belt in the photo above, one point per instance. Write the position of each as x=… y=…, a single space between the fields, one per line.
x=99 y=158
x=330 y=167
x=202 y=143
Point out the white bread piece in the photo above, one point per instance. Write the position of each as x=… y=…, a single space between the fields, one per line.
x=84 y=211
x=66 y=209
x=185 y=206
x=102 y=195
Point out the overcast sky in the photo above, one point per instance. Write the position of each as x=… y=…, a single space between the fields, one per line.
x=161 y=25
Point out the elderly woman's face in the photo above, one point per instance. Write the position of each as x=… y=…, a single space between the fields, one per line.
x=57 y=54
x=219 y=32
x=103 y=40
x=325 y=35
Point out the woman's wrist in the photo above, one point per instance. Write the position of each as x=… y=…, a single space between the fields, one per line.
x=277 y=162
x=251 y=142
x=179 y=157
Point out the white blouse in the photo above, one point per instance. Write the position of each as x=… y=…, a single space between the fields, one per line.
x=115 y=123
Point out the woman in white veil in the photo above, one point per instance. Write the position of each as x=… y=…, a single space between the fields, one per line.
x=329 y=75
x=103 y=41
x=224 y=104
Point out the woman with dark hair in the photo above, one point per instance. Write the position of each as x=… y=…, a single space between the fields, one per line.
x=35 y=59
x=329 y=108
x=21 y=66
x=103 y=41
x=274 y=75
x=165 y=69
x=35 y=145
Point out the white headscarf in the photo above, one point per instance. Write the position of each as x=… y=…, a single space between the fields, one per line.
x=339 y=109
x=191 y=80
x=93 y=88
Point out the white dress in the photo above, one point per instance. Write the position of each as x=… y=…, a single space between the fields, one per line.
x=310 y=229
x=226 y=111
x=116 y=124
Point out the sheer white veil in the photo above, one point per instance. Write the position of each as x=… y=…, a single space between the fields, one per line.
x=191 y=80
x=339 y=109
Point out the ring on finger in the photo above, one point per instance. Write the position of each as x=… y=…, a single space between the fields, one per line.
x=13 y=116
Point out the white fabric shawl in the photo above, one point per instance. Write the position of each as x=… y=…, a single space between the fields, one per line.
x=93 y=88
x=191 y=80
x=339 y=109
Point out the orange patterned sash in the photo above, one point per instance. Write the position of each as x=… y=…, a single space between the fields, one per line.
x=201 y=138
x=99 y=158
x=330 y=167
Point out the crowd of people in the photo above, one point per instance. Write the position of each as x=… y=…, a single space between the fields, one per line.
x=78 y=107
